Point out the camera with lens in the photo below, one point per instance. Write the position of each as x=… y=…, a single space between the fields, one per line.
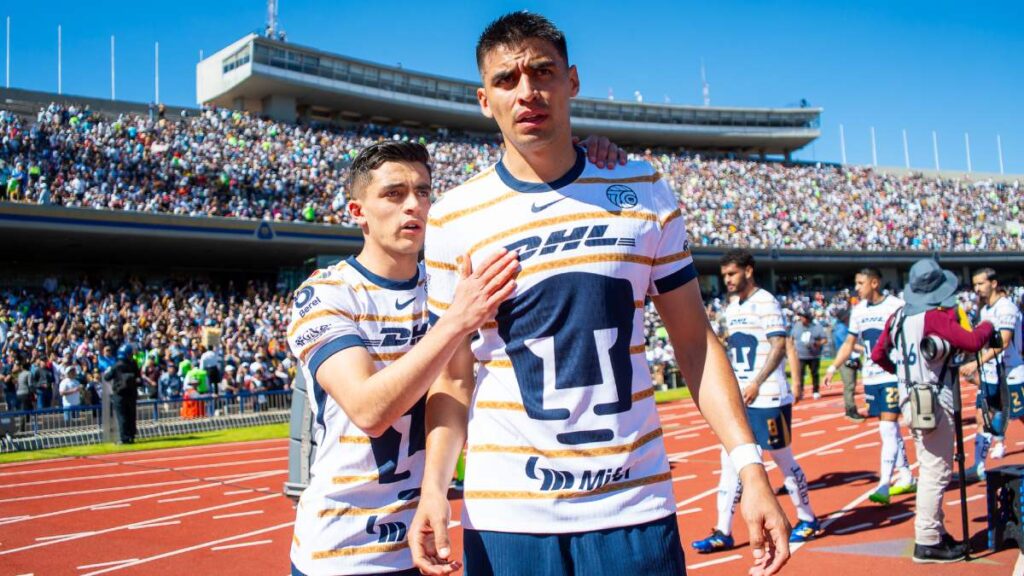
x=996 y=340
x=935 y=349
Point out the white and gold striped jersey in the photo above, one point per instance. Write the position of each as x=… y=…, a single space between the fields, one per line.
x=750 y=324
x=1004 y=315
x=867 y=321
x=353 y=518
x=563 y=431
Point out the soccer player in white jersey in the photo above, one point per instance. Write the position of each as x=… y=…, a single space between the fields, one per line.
x=867 y=321
x=566 y=470
x=354 y=327
x=1000 y=367
x=756 y=344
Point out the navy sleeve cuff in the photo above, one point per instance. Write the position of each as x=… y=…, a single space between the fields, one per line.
x=332 y=348
x=676 y=279
x=774 y=334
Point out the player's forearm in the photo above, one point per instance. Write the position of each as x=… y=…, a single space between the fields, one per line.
x=844 y=353
x=392 y=391
x=447 y=416
x=774 y=359
x=717 y=393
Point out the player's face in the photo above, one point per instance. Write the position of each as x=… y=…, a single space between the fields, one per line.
x=736 y=279
x=527 y=89
x=983 y=287
x=392 y=210
x=865 y=286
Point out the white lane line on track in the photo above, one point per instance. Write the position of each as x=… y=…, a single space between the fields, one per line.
x=236 y=492
x=854 y=528
x=139 y=472
x=117 y=503
x=109 y=506
x=190 y=549
x=829 y=452
x=108 y=463
x=282 y=441
x=867 y=445
x=690 y=435
x=714 y=562
x=1018 y=568
x=151 y=520
x=688 y=511
x=95 y=491
x=454 y=523
x=238 y=514
x=241 y=545
x=10 y=519
x=687 y=477
x=153 y=525
x=178 y=499
x=968 y=499
x=850 y=427
x=102 y=564
x=812 y=433
x=59 y=536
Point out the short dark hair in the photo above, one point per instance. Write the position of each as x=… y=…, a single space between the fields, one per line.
x=375 y=155
x=989 y=273
x=737 y=256
x=870 y=272
x=513 y=29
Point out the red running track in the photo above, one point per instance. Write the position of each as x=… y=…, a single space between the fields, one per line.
x=219 y=509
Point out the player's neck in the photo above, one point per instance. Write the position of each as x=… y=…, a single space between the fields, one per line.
x=994 y=298
x=540 y=164
x=876 y=298
x=751 y=288
x=390 y=265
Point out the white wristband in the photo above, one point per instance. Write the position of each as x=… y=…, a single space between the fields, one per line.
x=743 y=455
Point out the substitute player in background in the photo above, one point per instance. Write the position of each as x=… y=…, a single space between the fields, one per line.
x=999 y=366
x=354 y=327
x=566 y=470
x=881 y=390
x=756 y=343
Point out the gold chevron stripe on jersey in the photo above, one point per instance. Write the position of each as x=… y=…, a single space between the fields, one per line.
x=360 y=550
x=382 y=511
x=516 y=406
x=568 y=453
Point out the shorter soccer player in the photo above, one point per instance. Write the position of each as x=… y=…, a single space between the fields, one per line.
x=1000 y=366
x=867 y=321
x=756 y=341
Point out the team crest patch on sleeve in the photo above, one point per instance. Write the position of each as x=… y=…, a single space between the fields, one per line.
x=621 y=196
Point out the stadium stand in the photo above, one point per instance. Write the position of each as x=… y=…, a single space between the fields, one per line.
x=218 y=162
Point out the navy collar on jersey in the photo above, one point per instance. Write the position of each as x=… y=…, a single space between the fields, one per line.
x=880 y=302
x=743 y=301
x=385 y=283
x=566 y=179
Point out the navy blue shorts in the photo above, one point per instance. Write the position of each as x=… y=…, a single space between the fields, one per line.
x=409 y=572
x=771 y=426
x=995 y=402
x=651 y=549
x=882 y=398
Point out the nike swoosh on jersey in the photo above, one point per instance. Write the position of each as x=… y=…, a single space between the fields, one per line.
x=403 y=305
x=535 y=208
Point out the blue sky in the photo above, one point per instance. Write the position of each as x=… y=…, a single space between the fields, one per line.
x=952 y=67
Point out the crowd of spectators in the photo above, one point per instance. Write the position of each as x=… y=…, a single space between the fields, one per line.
x=185 y=336
x=220 y=162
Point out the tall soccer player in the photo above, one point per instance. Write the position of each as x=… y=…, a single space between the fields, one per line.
x=756 y=342
x=566 y=470
x=867 y=321
x=1000 y=367
x=360 y=331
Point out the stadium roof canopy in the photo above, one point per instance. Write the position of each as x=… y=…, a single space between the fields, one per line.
x=285 y=81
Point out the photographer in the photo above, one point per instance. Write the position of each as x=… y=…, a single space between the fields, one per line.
x=927 y=333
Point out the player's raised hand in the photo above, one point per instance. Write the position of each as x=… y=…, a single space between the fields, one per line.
x=428 y=537
x=481 y=291
x=766 y=523
x=602 y=152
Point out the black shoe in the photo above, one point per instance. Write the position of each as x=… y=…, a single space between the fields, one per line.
x=947 y=550
x=854 y=417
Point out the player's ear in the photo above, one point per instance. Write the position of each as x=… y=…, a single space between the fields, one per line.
x=485 y=106
x=574 y=81
x=355 y=208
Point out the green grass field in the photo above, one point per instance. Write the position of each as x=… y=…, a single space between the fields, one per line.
x=197 y=439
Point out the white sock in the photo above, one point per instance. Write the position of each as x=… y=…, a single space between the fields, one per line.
x=729 y=491
x=982 y=441
x=889 y=452
x=795 y=481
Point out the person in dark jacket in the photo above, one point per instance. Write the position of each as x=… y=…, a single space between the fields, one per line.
x=124 y=380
